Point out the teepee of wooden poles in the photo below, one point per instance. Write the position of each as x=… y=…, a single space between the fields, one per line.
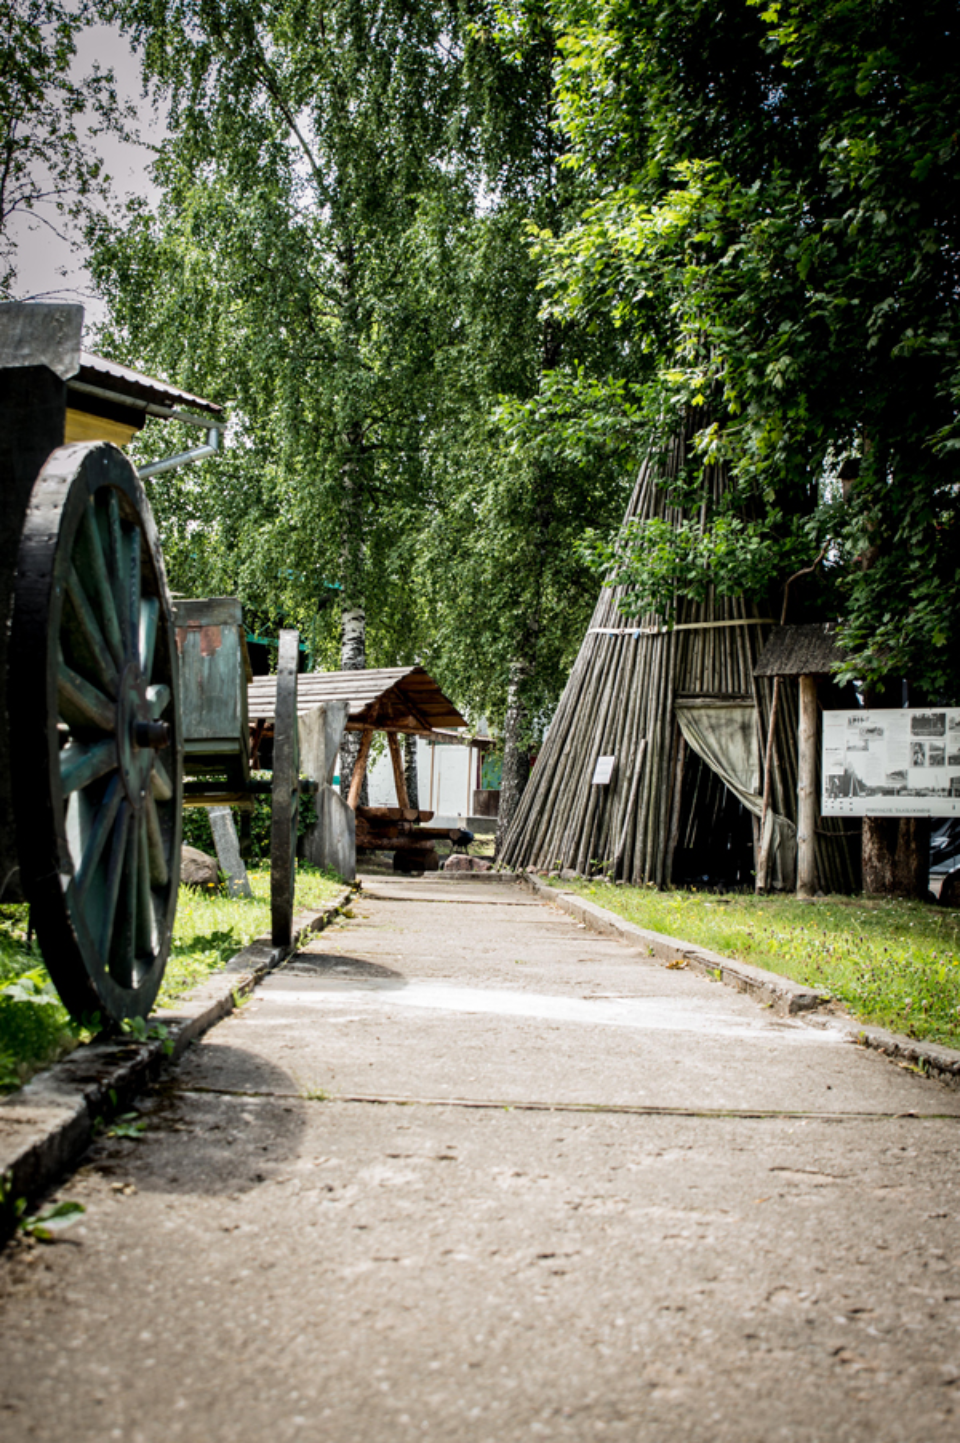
x=664 y=805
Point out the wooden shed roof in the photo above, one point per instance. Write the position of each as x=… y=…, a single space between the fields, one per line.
x=402 y=698
x=800 y=651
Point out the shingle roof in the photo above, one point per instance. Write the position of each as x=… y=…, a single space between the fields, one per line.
x=123 y=382
x=406 y=698
x=800 y=651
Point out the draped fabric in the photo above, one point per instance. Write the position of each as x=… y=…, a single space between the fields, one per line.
x=723 y=733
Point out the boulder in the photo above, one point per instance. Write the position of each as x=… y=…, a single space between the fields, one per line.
x=950 y=891
x=197 y=869
x=460 y=862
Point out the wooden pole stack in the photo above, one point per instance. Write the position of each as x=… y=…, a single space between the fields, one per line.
x=619 y=701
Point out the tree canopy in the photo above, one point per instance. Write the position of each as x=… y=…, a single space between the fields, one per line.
x=774 y=223
x=458 y=268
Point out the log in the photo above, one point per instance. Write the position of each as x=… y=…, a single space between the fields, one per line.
x=390 y=814
x=377 y=836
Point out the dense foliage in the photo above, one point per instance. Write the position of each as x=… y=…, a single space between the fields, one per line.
x=774 y=222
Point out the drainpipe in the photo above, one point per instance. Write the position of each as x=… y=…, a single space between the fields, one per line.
x=199 y=453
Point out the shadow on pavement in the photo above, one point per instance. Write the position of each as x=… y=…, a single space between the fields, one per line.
x=335 y=964
x=223 y=1123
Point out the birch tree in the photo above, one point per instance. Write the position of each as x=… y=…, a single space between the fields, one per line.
x=307 y=146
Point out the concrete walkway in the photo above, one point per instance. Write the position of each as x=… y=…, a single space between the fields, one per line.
x=463 y=1170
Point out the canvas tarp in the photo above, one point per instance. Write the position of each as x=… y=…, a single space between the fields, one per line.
x=723 y=733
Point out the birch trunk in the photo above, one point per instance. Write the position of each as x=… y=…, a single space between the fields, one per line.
x=516 y=757
x=353 y=657
x=410 y=770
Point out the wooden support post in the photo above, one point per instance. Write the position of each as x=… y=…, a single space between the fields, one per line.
x=807 y=789
x=763 y=862
x=399 y=776
x=360 y=768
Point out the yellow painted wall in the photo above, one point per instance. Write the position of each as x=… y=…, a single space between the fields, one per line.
x=83 y=427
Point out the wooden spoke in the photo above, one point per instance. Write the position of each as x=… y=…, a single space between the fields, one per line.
x=159 y=871
x=116 y=866
x=159 y=699
x=92 y=641
x=149 y=620
x=119 y=568
x=99 y=834
x=160 y=782
x=101 y=583
x=146 y=929
x=81 y=703
x=121 y=948
x=133 y=588
x=80 y=765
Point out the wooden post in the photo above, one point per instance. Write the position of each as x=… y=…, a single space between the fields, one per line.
x=399 y=777
x=433 y=753
x=359 y=768
x=763 y=862
x=807 y=789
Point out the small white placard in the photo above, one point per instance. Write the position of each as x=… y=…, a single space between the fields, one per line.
x=603 y=771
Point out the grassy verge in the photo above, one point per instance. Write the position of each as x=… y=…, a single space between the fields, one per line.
x=210 y=929
x=35 y=1028
x=892 y=963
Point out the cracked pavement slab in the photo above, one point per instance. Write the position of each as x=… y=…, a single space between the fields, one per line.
x=585 y=1197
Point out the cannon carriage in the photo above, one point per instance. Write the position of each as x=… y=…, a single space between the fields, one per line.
x=94 y=739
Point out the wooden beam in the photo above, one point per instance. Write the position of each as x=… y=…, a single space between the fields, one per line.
x=399 y=777
x=360 y=768
x=807 y=789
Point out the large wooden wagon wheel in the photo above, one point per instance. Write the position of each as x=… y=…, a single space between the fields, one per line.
x=96 y=733
x=285 y=803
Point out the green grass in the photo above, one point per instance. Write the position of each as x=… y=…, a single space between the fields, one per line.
x=209 y=929
x=35 y=1029
x=891 y=962
x=34 y=1026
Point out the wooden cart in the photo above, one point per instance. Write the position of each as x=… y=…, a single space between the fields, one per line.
x=214 y=674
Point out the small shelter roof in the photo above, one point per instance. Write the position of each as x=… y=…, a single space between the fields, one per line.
x=401 y=698
x=800 y=651
x=127 y=387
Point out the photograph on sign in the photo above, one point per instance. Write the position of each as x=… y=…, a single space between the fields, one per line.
x=603 y=771
x=892 y=763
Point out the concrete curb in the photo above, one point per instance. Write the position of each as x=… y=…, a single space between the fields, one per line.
x=769 y=988
x=47 y=1126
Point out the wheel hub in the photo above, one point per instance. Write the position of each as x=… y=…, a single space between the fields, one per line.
x=137 y=735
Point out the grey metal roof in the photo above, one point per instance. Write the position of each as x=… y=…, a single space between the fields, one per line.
x=402 y=698
x=800 y=651
x=123 y=382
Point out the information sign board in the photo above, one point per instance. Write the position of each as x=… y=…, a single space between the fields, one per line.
x=892 y=763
